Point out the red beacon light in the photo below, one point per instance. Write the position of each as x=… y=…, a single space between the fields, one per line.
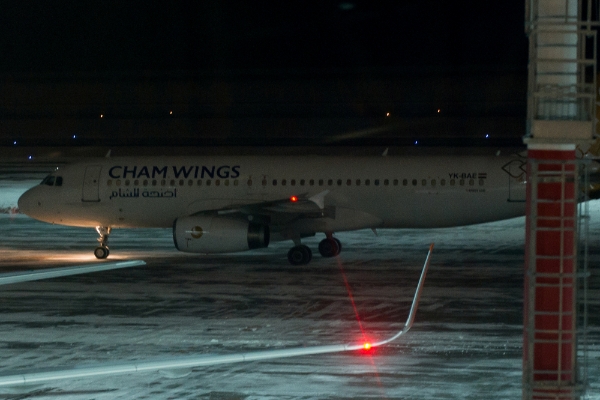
x=367 y=346
x=294 y=199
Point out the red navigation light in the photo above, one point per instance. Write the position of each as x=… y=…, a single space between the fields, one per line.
x=367 y=346
x=294 y=199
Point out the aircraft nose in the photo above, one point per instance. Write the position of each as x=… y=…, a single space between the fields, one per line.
x=27 y=202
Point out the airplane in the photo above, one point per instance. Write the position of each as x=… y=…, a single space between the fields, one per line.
x=222 y=204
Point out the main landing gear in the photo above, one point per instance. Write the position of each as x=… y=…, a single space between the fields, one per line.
x=301 y=254
x=102 y=251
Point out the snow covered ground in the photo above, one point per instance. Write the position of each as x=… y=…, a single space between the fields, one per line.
x=466 y=342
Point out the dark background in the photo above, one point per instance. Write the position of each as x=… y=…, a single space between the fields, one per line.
x=308 y=73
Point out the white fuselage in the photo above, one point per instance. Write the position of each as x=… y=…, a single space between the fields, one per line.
x=364 y=192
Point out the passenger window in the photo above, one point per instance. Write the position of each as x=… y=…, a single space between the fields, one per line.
x=163 y=182
x=283 y=182
x=226 y=182
x=367 y=182
x=136 y=183
x=339 y=182
x=311 y=182
x=208 y=182
x=481 y=182
x=330 y=182
x=146 y=182
x=264 y=182
x=199 y=182
x=471 y=182
x=320 y=182
x=109 y=182
x=433 y=182
x=423 y=182
x=172 y=182
x=127 y=182
x=349 y=182
x=386 y=182
x=190 y=183
x=181 y=182
x=462 y=182
x=376 y=182
x=118 y=182
x=293 y=182
x=217 y=182
x=414 y=182
x=274 y=182
x=443 y=182
x=404 y=182
x=452 y=182
x=249 y=182
x=301 y=182
x=235 y=183
x=358 y=182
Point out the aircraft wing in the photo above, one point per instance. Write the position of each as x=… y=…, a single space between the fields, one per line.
x=22 y=378
x=288 y=208
x=48 y=273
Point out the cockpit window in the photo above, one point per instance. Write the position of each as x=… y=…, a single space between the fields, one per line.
x=49 y=180
x=52 y=180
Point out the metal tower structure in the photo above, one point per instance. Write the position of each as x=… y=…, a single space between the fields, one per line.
x=560 y=117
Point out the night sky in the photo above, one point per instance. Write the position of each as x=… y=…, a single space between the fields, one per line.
x=256 y=73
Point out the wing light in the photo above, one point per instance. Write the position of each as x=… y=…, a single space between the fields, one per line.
x=294 y=199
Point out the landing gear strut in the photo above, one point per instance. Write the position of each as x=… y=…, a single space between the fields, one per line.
x=102 y=251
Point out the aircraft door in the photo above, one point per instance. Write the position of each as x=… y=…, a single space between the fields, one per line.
x=516 y=171
x=91 y=183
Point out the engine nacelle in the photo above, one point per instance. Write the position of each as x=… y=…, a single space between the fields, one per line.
x=212 y=234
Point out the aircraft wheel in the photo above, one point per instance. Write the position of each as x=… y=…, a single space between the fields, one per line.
x=101 y=252
x=339 y=245
x=329 y=247
x=299 y=255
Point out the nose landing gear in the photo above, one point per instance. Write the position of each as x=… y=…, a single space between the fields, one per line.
x=102 y=251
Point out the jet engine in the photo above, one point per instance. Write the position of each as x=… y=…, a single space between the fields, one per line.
x=213 y=234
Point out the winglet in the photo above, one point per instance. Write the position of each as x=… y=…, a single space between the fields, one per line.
x=108 y=154
x=385 y=152
x=415 y=303
x=319 y=199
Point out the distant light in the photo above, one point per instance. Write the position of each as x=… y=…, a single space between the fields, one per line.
x=30 y=157
x=367 y=346
x=487 y=135
x=101 y=115
x=74 y=136
x=170 y=112
x=439 y=110
x=416 y=142
x=294 y=199
x=346 y=6
x=15 y=142
x=387 y=114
